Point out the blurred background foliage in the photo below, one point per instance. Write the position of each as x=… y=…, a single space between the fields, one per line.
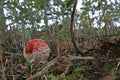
x=22 y=20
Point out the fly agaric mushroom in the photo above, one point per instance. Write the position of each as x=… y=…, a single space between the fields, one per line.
x=36 y=51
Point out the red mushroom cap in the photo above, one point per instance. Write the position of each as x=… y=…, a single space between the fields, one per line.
x=35 y=45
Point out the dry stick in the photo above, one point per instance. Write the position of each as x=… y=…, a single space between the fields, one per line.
x=12 y=72
x=3 y=70
x=47 y=67
x=79 y=58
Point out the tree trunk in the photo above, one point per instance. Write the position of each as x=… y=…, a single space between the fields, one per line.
x=2 y=23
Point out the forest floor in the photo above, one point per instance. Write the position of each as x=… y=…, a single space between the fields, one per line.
x=103 y=66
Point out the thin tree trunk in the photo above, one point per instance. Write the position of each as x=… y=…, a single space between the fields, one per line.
x=2 y=23
x=2 y=20
x=45 y=15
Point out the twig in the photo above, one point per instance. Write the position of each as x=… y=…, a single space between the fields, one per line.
x=3 y=70
x=79 y=58
x=12 y=72
x=47 y=67
x=10 y=53
x=117 y=66
x=81 y=77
